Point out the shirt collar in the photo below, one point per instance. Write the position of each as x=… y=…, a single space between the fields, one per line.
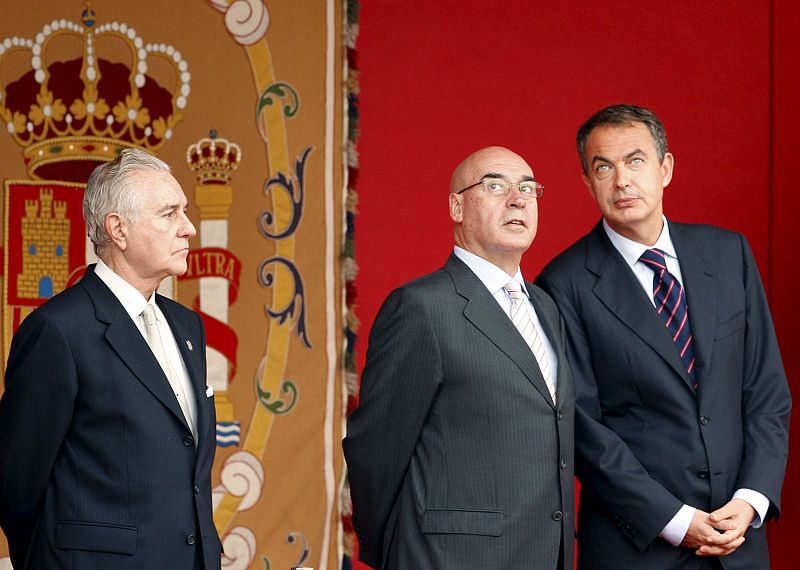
x=131 y=299
x=631 y=251
x=490 y=275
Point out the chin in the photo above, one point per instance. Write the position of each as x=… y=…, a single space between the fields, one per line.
x=177 y=270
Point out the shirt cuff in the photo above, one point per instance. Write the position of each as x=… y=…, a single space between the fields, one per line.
x=756 y=500
x=676 y=529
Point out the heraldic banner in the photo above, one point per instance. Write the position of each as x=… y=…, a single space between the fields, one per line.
x=246 y=101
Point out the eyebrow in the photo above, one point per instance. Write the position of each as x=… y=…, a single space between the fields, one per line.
x=598 y=158
x=526 y=178
x=169 y=208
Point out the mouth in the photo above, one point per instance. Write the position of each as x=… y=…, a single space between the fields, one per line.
x=625 y=201
x=516 y=223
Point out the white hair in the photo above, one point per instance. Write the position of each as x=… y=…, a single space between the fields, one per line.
x=109 y=189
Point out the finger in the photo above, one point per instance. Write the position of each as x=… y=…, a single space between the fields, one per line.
x=720 y=551
x=725 y=538
x=725 y=525
x=721 y=513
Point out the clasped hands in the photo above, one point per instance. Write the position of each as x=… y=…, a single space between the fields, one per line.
x=721 y=532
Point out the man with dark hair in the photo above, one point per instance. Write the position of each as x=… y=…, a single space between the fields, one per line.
x=460 y=453
x=107 y=428
x=682 y=401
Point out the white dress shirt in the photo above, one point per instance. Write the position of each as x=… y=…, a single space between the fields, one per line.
x=134 y=303
x=495 y=280
x=630 y=250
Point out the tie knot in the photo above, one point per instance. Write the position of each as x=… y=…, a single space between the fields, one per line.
x=654 y=258
x=514 y=289
x=149 y=315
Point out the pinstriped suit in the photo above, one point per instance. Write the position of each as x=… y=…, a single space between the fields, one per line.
x=457 y=457
x=645 y=442
x=98 y=468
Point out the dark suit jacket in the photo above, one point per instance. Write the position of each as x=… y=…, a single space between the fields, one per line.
x=457 y=457
x=646 y=443
x=98 y=468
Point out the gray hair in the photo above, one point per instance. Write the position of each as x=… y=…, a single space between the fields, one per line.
x=109 y=189
x=622 y=115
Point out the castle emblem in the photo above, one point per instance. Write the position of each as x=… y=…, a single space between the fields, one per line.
x=45 y=247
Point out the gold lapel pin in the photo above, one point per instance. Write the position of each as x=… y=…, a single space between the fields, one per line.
x=189 y=345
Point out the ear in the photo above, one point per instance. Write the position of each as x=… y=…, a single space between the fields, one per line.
x=666 y=169
x=588 y=183
x=117 y=229
x=455 y=208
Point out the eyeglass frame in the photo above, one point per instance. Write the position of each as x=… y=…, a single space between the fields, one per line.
x=537 y=185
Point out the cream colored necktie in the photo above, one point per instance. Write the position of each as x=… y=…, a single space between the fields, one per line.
x=154 y=340
x=522 y=320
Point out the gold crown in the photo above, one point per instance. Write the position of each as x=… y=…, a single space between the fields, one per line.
x=213 y=159
x=69 y=115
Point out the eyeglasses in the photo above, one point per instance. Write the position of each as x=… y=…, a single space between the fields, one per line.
x=529 y=189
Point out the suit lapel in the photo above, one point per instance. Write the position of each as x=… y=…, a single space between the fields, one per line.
x=186 y=338
x=128 y=342
x=620 y=291
x=700 y=283
x=483 y=311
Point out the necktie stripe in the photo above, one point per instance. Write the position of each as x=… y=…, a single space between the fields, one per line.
x=686 y=347
x=524 y=324
x=671 y=307
x=655 y=264
x=677 y=304
x=666 y=297
x=681 y=327
x=672 y=314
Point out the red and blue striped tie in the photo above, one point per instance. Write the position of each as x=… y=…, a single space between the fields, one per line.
x=671 y=305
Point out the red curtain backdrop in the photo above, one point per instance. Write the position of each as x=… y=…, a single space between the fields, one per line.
x=441 y=79
x=783 y=271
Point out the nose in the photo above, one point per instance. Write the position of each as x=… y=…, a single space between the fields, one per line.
x=515 y=197
x=186 y=228
x=622 y=178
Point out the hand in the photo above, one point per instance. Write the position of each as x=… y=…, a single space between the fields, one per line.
x=712 y=537
x=736 y=511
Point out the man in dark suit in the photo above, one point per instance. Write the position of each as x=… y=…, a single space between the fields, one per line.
x=106 y=424
x=460 y=452
x=682 y=403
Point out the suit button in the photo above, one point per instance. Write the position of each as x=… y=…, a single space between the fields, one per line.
x=557 y=516
x=563 y=464
x=702 y=473
x=704 y=420
x=190 y=539
x=196 y=489
x=188 y=441
x=559 y=416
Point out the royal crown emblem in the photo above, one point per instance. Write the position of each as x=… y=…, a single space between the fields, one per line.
x=101 y=102
x=213 y=159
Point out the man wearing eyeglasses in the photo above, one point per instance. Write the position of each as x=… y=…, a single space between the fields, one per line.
x=460 y=453
x=681 y=427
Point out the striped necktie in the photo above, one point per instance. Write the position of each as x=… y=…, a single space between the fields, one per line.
x=670 y=302
x=522 y=320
